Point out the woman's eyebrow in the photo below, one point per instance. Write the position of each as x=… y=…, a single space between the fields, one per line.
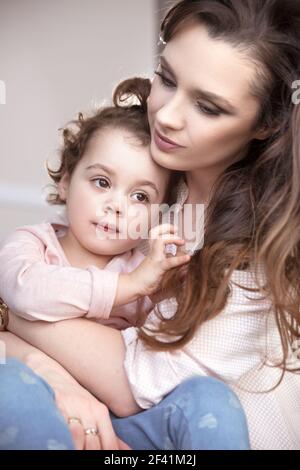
x=217 y=99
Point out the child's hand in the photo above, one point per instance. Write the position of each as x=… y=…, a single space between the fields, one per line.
x=164 y=294
x=148 y=275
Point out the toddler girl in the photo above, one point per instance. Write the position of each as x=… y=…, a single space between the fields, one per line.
x=112 y=190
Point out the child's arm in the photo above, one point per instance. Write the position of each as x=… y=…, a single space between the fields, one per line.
x=36 y=290
x=146 y=279
x=92 y=353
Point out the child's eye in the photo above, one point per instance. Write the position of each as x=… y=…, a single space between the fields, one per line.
x=164 y=80
x=101 y=183
x=141 y=197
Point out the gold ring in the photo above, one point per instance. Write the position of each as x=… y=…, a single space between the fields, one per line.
x=91 y=431
x=73 y=419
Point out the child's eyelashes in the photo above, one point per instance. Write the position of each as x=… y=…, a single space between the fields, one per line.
x=104 y=183
x=141 y=197
x=101 y=182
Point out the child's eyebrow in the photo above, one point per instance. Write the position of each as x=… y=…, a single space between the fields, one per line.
x=97 y=166
x=147 y=183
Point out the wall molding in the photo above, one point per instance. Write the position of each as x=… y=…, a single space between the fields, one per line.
x=22 y=196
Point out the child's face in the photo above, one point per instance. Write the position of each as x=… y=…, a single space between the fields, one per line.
x=110 y=193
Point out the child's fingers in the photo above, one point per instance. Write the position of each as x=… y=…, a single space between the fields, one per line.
x=159 y=246
x=167 y=240
x=176 y=261
x=159 y=230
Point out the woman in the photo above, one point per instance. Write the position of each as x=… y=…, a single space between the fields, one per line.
x=220 y=110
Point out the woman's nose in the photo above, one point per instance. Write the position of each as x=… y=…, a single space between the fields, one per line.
x=171 y=114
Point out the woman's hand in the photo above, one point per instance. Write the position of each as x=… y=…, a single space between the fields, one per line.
x=81 y=410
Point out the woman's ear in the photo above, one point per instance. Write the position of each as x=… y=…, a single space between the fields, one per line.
x=265 y=132
x=63 y=187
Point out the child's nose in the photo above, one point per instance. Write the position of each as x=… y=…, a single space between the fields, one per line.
x=114 y=207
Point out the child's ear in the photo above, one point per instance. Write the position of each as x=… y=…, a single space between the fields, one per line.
x=63 y=187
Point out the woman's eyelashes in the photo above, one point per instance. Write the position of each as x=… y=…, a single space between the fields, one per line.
x=166 y=82
x=206 y=110
x=104 y=183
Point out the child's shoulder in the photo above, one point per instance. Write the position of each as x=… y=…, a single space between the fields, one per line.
x=127 y=261
x=37 y=233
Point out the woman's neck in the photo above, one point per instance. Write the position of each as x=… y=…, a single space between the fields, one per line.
x=200 y=185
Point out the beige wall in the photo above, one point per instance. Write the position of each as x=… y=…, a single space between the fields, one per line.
x=58 y=57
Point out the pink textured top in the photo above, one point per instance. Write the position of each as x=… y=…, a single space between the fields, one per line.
x=38 y=282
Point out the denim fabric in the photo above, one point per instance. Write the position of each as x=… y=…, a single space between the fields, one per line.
x=201 y=413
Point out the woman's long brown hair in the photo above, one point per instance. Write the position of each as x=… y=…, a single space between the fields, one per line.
x=253 y=218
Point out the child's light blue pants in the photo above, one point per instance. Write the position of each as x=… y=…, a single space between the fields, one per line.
x=201 y=413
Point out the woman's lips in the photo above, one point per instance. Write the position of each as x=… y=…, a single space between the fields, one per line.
x=163 y=143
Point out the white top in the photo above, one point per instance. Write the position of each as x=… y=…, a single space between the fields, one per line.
x=231 y=347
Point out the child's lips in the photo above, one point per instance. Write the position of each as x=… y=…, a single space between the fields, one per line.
x=107 y=227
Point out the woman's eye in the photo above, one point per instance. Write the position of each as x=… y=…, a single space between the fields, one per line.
x=164 y=80
x=140 y=197
x=209 y=111
x=101 y=183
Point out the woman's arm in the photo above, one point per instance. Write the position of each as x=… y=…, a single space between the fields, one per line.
x=92 y=353
x=71 y=398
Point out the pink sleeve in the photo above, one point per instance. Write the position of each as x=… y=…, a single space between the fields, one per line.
x=36 y=290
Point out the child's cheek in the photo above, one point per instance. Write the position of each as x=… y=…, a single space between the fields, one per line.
x=138 y=220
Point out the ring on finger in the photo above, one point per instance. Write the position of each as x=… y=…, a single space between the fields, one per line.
x=91 y=431
x=74 y=419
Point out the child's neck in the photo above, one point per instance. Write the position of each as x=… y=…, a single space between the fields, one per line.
x=78 y=256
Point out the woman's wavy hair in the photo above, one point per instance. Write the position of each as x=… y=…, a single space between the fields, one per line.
x=253 y=217
x=128 y=112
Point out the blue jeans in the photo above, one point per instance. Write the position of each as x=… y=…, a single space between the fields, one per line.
x=201 y=413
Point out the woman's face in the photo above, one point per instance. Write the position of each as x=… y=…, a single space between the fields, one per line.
x=201 y=101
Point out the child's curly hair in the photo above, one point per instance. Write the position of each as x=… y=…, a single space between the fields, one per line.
x=128 y=112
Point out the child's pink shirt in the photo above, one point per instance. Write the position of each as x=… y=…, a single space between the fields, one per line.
x=38 y=282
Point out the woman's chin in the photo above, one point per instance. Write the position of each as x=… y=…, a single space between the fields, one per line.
x=163 y=158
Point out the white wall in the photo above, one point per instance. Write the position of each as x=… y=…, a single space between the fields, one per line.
x=58 y=57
